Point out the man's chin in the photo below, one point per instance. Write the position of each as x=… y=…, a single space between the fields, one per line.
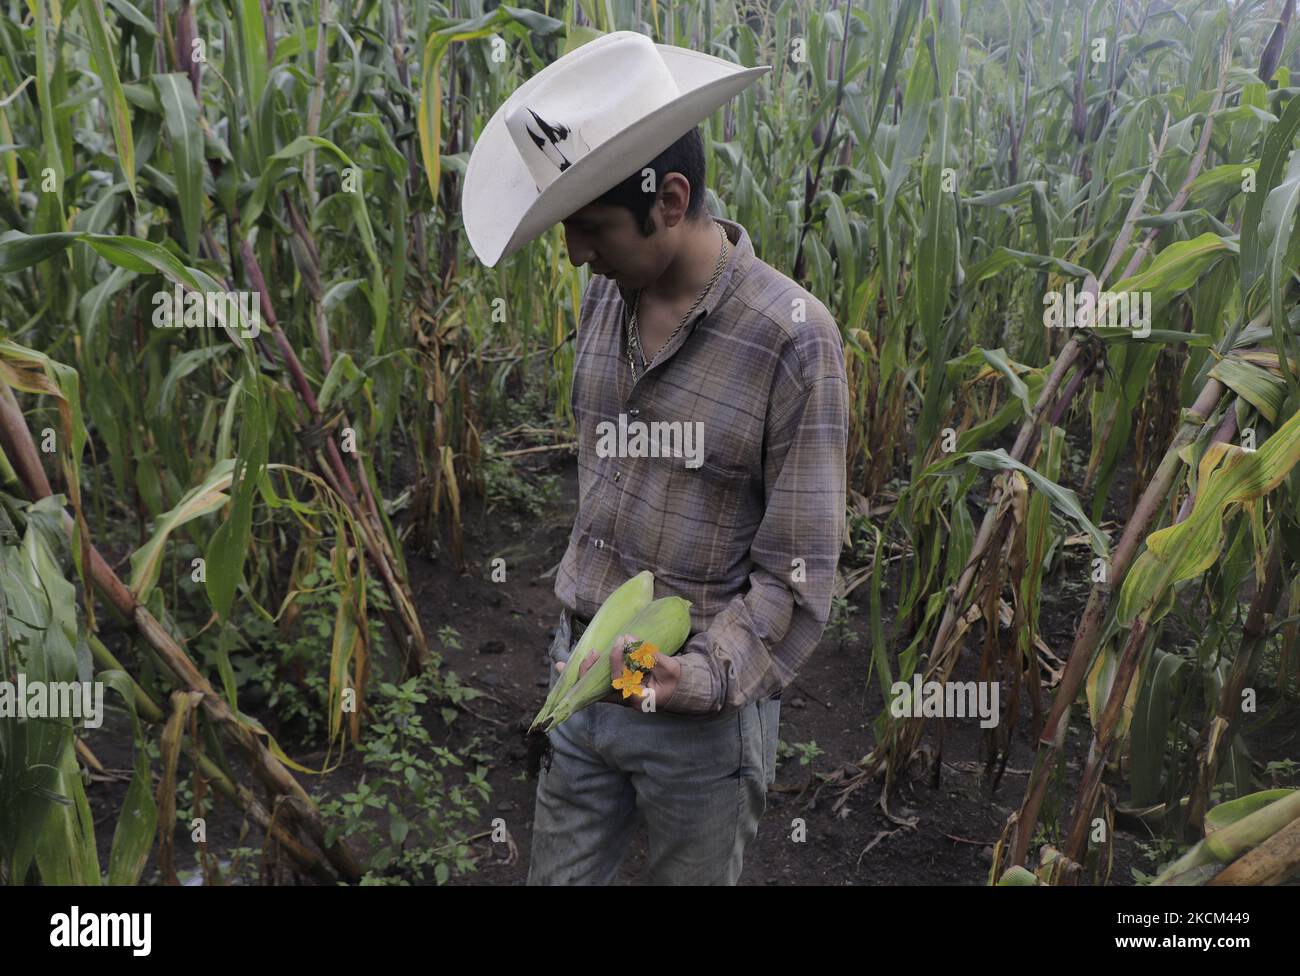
x=622 y=279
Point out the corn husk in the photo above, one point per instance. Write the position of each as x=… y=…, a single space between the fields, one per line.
x=665 y=623
x=614 y=614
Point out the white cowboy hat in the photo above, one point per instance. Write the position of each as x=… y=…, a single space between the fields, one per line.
x=581 y=126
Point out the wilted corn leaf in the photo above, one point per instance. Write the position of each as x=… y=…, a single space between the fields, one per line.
x=1258 y=387
x=1100 y=680
x=1228 y=813
x=200 y=500
x=170 y=745
x=1228 y=476
x=1019 y=876
x=429 y=119
x=1242 y=828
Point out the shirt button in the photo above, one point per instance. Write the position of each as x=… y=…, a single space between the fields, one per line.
x=617 y=475
x=600 y=543
x=634 y=412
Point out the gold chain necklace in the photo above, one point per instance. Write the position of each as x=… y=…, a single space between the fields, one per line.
x=634 y=333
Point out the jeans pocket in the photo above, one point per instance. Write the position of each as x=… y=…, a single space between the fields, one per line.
x=769 y=722
x=559 y=649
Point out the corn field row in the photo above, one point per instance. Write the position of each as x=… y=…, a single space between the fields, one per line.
x=938 y=172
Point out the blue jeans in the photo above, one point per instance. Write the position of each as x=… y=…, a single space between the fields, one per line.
x=698 y=782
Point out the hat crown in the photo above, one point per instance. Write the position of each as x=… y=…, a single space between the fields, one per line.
x=607 y=86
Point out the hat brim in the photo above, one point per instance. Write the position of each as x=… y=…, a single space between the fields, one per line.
x=500 y=204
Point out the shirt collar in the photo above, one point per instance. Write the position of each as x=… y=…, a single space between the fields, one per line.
x=738 y=264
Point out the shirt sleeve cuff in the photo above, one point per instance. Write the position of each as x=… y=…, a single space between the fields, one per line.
x=694 y=694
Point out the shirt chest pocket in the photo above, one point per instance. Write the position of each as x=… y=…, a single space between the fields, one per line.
x=711 y=515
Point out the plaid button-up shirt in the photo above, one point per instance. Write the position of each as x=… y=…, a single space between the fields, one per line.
x=749 y=529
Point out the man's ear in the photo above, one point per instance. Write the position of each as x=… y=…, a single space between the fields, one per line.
x=673 y=198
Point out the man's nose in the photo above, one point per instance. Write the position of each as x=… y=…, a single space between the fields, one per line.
x=580 y=252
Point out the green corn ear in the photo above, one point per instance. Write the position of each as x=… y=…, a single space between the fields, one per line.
x=613 y=616
x=665 y=623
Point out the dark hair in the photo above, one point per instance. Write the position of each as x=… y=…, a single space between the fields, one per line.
x=685 y=156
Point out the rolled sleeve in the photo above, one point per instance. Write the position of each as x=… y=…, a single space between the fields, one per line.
x=694 y=694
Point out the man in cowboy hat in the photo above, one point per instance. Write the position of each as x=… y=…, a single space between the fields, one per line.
x=681 y=326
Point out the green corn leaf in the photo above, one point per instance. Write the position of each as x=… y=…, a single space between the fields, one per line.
x=1002 y=258
x=119 y=114
x=1064 y=500
x=1281 y=246
x=19 y=250
x=65 y=849
x=1151 y=725
x=181 y=115
x=137 y=821
x=1277 y=150
x=228 y=548
x=1175 y=269
x=904 y=24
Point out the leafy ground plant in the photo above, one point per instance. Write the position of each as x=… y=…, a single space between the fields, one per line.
x=402 y=813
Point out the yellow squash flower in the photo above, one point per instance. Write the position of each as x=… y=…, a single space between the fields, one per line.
x=644 y=656
x=629 y=683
